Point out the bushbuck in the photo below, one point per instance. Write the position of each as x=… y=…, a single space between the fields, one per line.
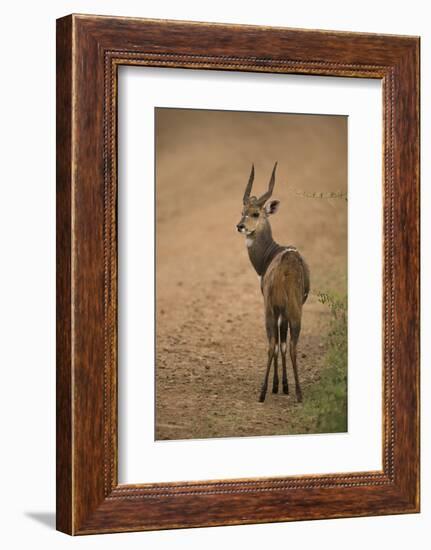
x=284 y=282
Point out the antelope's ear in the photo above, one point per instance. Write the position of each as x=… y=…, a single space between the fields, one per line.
x=271 y=207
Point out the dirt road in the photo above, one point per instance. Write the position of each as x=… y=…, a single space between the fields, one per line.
x=211 y=345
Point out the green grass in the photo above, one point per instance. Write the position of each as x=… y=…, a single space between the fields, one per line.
x=325 y=408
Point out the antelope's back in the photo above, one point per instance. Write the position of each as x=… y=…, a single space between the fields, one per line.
x=286 y=283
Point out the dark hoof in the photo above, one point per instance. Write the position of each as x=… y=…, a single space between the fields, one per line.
x=286 y=390
x=274 y=389
x=262 y=397
x=299 y=397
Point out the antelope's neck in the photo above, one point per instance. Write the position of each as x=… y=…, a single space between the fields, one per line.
x=261 y=250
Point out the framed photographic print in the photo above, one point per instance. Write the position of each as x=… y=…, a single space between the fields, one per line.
x=237 y=274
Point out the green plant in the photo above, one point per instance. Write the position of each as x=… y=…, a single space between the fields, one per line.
x=332 y=387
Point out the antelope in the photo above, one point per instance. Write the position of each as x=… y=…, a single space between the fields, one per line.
x=284 y=282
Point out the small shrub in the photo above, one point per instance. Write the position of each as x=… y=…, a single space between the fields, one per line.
x=325 y=404
x=332 y=387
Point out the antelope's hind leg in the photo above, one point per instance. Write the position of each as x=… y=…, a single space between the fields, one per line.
x=275 y=379
x=283 y=349
x=272 y=333
x=294 y=336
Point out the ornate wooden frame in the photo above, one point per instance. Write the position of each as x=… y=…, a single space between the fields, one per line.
x=89 y=51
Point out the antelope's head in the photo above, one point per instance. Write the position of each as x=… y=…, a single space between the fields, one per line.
x=255 y=211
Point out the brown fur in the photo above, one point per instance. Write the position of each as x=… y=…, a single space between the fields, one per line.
x=285 y=283
x=285 y=287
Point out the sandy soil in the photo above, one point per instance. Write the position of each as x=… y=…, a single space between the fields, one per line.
x=211 y=344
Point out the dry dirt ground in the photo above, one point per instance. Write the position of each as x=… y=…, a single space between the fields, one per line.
x=210 y=338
